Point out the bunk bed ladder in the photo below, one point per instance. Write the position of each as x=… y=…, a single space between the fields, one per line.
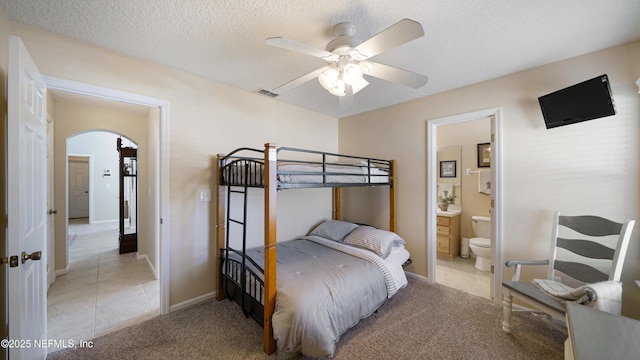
x=241 y=190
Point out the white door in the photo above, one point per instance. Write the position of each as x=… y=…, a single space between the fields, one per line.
x=51 y=220
x=26 y=182
x=78 y=188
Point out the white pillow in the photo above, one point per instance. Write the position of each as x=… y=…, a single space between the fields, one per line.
x=379 y=241
x=334 y=230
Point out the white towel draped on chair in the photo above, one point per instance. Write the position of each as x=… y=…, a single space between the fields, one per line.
x=603 y=296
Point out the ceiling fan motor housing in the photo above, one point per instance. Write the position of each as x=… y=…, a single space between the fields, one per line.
x=345 y=41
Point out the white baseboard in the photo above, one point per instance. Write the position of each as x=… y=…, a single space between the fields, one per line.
x=64 y=271
x=104 y=221
x=145 y=257
x=197 y=300
x=418 y=277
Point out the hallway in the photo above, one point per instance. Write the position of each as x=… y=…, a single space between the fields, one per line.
x=103 y=290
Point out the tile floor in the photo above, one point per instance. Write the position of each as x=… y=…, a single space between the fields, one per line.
x=103 y=290
x=462 y=274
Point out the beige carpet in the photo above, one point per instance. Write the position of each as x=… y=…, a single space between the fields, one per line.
x=420 y=322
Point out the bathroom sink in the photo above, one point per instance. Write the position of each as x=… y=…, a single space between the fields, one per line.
x=449 y=213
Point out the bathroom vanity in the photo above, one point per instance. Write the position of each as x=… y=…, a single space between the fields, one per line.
x=448 y=234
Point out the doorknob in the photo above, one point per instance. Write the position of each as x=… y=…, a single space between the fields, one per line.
x=36 y=255
x=11 y=260
x=52 y=211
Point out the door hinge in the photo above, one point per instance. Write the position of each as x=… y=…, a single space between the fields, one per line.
x=493 y=137
x=493 y=204
x=11 y=260
x=492 y=269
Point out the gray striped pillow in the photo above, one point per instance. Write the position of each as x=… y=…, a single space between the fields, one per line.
x=334 y=230
x=379 y=241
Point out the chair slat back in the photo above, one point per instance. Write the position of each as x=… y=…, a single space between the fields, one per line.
x=595 y=250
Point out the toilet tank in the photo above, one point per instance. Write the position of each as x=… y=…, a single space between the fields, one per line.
x=481 y=226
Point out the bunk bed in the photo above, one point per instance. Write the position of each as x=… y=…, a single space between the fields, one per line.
x=248 y=275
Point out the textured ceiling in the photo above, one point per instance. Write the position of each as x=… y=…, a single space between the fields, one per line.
x=465 y=41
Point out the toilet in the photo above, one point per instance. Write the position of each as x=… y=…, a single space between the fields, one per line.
x=481 y=244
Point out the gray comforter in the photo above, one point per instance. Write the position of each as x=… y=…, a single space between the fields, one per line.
x=321 y=293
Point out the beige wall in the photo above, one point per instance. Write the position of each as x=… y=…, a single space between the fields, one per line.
x=586 y=168
x=206 y=118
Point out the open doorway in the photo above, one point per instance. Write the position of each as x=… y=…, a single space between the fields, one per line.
x=88 y=300
x=496 y=193
x=156 y=127
x=462 y=208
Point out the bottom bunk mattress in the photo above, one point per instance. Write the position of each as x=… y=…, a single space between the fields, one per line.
x=326 y=287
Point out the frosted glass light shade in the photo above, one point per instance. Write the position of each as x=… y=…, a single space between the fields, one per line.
x=329 y=78
x=351 y=74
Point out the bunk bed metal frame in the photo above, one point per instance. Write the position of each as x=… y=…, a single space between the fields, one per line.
x=238 y=279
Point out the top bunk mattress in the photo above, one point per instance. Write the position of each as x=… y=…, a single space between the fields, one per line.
x=245 y=172
x=313 y=169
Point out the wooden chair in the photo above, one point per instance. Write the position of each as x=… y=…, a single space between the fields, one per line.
x=581 y=246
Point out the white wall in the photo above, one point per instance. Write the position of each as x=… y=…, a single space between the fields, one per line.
x=586 y=168
x=104 y=155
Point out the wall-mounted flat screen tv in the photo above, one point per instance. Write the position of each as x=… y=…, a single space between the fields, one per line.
x=587 y=100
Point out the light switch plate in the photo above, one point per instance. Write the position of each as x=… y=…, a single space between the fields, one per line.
x=205 y=195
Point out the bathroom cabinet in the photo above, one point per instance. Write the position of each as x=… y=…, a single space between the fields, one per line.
x=448 y=236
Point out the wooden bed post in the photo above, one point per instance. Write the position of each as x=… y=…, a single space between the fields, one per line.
x=393 y=225
x=270 y=188
x=336 y=204
x=220 y=227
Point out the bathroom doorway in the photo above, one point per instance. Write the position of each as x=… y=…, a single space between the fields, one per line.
x=457 y=192
x=468 y=130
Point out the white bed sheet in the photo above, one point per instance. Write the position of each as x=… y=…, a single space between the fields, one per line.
x=348 y=174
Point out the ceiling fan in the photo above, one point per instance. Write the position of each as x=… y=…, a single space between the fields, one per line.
x=348 y=59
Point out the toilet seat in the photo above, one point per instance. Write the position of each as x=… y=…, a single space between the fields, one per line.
x=480 y=242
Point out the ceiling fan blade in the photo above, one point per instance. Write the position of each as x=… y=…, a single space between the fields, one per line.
x=296 y=46
x=297 y=82
x=393 y=74
x=347 y=102
x=399 y=33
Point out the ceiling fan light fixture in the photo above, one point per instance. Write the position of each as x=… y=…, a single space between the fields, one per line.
x=329 y=78
x=352 y=73
x=347 y=58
